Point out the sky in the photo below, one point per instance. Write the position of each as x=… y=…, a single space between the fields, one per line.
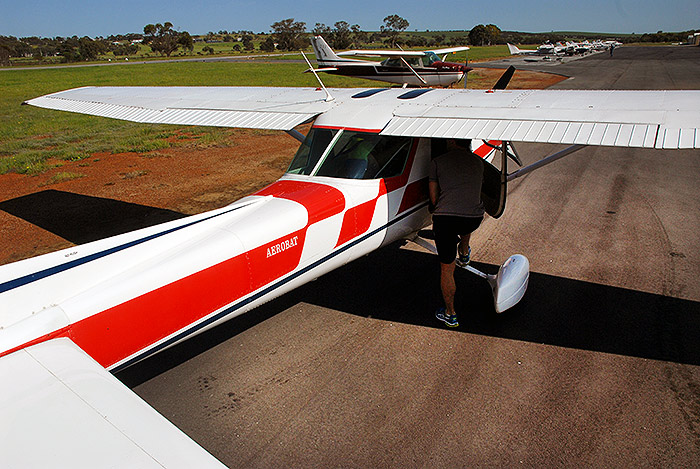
x=46 y=18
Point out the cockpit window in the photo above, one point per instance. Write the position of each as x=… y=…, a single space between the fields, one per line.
x=311 y=151
x=360 y=155
x=352 y=155
x=430 y=57
x=397 y=62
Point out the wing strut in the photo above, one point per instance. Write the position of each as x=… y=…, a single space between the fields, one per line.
x=414 y=72
x=328 y=95
x=296 y=134
x=513 y=156
x=545 y=161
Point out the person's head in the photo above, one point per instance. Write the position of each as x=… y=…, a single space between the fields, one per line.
x=463 y=143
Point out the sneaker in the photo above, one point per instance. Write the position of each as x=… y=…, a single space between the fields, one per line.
x=463 y=259
x=450 y=321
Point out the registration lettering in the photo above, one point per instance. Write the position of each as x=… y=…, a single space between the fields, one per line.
x=281 y=247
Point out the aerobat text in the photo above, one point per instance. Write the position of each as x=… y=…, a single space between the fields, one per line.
x=283 y=246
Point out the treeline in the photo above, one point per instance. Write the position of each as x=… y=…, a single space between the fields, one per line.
x=289 y=34
x=539 y=38
x=69 y=49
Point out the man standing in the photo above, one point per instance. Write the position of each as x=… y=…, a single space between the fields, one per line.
x=455 y=196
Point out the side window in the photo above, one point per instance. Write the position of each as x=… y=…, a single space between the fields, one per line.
x=310 y=151
x=358 y=155
x=392 y=62
x=391 y=154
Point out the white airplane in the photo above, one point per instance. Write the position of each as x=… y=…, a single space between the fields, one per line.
x=357 y=183
x=606 y=45
x=546 y=49
x=416 y=68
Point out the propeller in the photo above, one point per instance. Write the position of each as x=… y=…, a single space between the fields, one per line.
x=466 y=64
x=505 y=79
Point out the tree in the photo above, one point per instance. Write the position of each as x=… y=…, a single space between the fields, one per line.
x=481 y=35
x=268 y=45
x=393 y=26
x=321 y=30
x=247 y=41
x=478 y=36
x=162 y=38
x=289 y=34
x=186 y=41
x=88 y=49
x=493 y=34
x=341 y=35
x=358 y=36
x=4 y=56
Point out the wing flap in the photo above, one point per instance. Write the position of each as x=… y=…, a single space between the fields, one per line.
x=611 y=118
x=583 y=133
x=59 y=408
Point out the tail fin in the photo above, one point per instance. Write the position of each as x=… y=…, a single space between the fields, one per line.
x=514 y=50
x=324 y=54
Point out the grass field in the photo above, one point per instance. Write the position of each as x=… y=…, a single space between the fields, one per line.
x=32 y=139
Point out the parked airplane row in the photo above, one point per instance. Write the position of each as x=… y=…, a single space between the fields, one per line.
x=567 y=48
x=425 y=68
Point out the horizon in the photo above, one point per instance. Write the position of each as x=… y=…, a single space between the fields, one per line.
x=466 y=31
x=46 y=19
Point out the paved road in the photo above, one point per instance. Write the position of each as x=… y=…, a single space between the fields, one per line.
x=598 y=366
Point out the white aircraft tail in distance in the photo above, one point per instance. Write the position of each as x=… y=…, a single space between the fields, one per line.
x=414 y=68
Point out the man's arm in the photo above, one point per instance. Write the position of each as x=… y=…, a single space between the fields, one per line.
x=434 y=191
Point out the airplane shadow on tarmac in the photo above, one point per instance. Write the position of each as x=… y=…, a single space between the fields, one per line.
x=401 y=285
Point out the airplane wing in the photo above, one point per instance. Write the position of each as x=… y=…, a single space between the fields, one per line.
x=383 y=53
x=400 y=53
x=60 y=408
x=245 y=107
x=449 y=50
x=648 y=119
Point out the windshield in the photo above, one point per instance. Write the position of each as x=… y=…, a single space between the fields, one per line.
x=351 y=155
x=311 y=150
x=430 y=57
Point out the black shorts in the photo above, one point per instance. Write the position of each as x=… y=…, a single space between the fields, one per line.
x=448 y=229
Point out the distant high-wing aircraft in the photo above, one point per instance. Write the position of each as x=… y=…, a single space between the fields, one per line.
x=546 y=49
x=357 y=183
x=559 y=49
x=416 y=68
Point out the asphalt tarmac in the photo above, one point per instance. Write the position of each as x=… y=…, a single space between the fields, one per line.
x=598 y=366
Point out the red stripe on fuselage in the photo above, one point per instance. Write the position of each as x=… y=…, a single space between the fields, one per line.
x=484 y=150
x=358 y=219
x=117 y=333
x=125 y=329
x=320 y=200
x=415 y=193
